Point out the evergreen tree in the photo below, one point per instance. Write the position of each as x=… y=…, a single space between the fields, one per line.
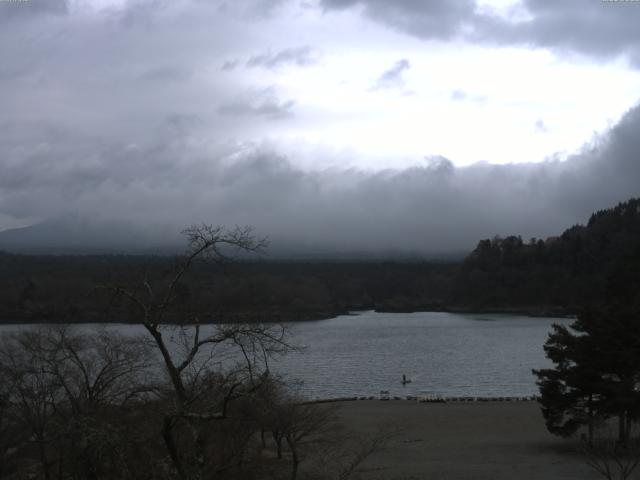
x=596 y=373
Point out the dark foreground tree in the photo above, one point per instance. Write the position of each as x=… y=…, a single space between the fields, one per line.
x=211 y=369
x=612 y=460
x=181 y=401
x=596 y=373
x=66 y=396
x=79 y=403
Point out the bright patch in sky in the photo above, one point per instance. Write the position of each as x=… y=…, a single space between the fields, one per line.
x=465 y=102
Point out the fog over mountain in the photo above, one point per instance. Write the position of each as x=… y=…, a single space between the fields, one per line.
x=124 y=122
x=432 y=208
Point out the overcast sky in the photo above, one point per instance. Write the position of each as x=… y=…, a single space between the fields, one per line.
x=351 y=124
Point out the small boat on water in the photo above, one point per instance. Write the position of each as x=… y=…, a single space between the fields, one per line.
x=405 y=380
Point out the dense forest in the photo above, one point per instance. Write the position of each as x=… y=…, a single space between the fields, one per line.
x=584 y=266
x=587 y=265
x=69 y=288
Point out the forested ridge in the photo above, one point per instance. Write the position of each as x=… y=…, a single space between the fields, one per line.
x=586 y=265
x=68 y=288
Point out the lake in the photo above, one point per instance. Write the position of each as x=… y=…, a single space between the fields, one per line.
x=441 y=353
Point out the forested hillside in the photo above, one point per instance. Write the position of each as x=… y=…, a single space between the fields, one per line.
x=586 y=265
x=69 y=288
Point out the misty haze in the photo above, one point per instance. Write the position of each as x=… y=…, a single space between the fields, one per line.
x=319 y=239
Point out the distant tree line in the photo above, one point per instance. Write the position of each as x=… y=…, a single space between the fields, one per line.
x=583 y=266
x=177 y=402
x=63 y=288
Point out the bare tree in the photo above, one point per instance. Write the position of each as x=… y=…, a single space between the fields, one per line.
x=306 y=423
x=62 y=391
x=343 y=455
x=198 y=395
x=31 y=402
x=7 y=430
x=611 y=459
x=186 y=401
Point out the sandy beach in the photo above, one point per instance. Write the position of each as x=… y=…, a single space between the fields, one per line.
x=466 y=441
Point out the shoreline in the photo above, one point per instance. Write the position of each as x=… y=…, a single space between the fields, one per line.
x=532 y=313
x=426 y=399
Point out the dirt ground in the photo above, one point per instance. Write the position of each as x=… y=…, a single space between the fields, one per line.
x=484 y=440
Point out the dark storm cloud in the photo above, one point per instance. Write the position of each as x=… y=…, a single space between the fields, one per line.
x=440 y=19
x=263 y=8
x=269 y=108
x=129 y=119
x=173 y=181
x=299 y=56
x=167 y=73
x=29 y=9
x=249 y=9
x=229 y=65
x=262 y=103
x=392 y=78
x=93 y=72
x=602 y=29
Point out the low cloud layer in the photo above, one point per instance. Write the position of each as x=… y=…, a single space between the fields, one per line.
x=155 y=114
x=431 y=208
x=262 y=103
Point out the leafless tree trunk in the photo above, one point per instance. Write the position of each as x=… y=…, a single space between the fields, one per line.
x=612 y=459
x=295 y=459
x=203 y=396
x=193 y=402
x=60 y=382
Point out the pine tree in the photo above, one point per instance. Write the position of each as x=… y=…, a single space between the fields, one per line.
x=596 y=373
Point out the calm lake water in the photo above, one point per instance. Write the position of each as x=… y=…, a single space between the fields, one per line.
x=441 y=353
